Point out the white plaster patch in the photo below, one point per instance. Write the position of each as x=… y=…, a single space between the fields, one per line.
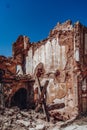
x=19 y=69
x=56 y=100
x=77 y=54
x=29 y=60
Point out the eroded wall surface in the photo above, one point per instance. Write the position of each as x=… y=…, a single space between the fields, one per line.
x=61 y=55
x=61 y=59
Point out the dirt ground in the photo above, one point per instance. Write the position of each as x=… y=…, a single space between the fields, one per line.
x=16 y=119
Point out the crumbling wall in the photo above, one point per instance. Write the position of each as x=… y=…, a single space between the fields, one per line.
x=51 y=54
x=81 y=67
x=56 y=53
x=12 y=81
x=60 y=59
x=20 y=48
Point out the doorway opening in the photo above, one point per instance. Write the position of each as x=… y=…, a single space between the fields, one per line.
x=20 y=99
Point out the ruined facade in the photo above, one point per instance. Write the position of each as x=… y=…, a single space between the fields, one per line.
x=61 y=59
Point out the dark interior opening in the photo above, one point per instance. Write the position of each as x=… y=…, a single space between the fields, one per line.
x=20 y=99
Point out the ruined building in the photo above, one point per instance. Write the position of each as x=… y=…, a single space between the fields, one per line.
x=60 y=63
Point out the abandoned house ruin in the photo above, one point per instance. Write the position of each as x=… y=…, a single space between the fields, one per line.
x=54 y=68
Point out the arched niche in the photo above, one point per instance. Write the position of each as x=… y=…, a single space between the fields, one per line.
x=20 y=98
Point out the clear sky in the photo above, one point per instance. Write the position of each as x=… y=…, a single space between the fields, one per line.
x=35 y=18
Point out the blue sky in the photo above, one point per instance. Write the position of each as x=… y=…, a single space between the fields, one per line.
x=35 y=18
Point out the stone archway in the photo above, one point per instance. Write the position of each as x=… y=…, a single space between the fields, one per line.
x=20 y=98
x=39 y=70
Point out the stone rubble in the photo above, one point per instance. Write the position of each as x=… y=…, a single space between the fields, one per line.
x=79 y=124
x=16 y=119
x=60 y=59
x=51 y=73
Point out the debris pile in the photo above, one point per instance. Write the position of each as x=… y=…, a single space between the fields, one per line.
x=16 y=119
x=50 y=75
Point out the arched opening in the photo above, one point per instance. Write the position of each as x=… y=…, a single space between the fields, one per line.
x=39 y=70
x=20 y=99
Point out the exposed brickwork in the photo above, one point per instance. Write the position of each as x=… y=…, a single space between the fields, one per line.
x=63 y=56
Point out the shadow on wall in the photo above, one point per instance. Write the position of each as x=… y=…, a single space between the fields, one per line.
x=20 y=99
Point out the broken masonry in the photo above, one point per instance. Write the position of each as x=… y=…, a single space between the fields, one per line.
x=49 y=74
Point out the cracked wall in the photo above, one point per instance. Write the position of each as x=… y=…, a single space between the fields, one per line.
x=61 y=59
